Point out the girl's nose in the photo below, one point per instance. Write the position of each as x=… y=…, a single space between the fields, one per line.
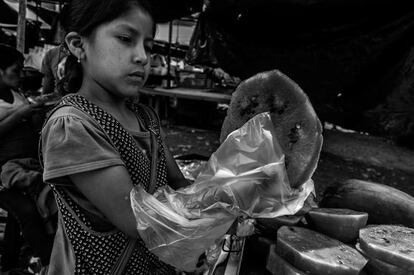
x=140 y=55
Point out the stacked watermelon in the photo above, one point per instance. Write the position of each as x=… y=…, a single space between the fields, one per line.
x=339 y=241
x=322 y=245
x=388 y=241
x=332 y=238
x=389 y=248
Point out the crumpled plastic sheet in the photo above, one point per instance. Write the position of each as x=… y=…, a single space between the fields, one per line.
x=246 y=176
x=191 y=168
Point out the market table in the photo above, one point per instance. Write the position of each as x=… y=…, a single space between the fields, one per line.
x=156 y=93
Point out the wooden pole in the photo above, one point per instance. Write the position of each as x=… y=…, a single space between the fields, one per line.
x=21 y=26
x=170 y=30
x=37 y=11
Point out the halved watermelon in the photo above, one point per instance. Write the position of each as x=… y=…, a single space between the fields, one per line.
x=384 y=204
x=276 y=265
x=340 y=224
x=317 y=254
x=378 y=267
x=392 y=244
x=297 y=127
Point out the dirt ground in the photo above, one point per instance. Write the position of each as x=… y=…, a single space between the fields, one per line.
x=331 y=168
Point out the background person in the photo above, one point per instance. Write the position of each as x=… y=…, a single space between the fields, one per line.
x=55 y=58
x=19 y=126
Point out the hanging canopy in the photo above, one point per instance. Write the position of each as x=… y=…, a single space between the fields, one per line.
x=9 y=11
x=182 y=30
x=47 y=15
x=167 y=10
x=351 y=57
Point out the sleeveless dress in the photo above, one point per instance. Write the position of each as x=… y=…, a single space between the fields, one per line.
x=88 y=249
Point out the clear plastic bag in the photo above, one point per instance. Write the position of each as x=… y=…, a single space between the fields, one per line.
x=245 y=176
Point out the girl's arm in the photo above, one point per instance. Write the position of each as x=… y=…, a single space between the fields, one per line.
x=108 y=189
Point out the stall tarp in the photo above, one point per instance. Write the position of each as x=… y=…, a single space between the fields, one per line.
x=348 y=56
x=167 y=10
x=182 y=32
x=47 y=15
x=9 y=11
x=8 y=16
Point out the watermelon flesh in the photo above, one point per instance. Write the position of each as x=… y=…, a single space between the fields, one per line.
x=378 y=267
x=317 y=254
x=392 y=244
x=298 y=129
x=278 y=266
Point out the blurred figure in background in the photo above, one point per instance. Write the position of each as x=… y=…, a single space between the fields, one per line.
x=19 y=127
x=54 y=60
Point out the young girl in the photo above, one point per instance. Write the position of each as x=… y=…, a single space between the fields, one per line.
x=96 y=145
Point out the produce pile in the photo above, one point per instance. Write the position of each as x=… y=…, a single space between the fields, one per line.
x=343 y=240
x=358 y=227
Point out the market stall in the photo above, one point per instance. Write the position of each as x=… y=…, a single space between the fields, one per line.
x=354 y=58
x=272 y=221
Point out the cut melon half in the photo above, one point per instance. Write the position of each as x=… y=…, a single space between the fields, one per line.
x=297 y=127
x=338 y=223
x=317 y=254
x=378 y=267
x=278 y=266
x=392 y=244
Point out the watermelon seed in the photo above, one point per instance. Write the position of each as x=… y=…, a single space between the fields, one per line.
x=386 y=240
x=339 y=259
x=294 y=134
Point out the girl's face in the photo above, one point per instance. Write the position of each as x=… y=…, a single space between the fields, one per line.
x=117 y=54
x=11 y=76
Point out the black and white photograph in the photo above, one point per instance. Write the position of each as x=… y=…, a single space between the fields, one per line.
x=206 y=137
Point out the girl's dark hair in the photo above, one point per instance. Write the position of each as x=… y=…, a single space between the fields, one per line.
x=83 y=17
x=9 y=56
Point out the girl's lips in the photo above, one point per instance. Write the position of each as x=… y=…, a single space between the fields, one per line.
x=135 y=79
x=137 y=74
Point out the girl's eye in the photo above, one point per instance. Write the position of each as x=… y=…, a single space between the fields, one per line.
x=125 y=39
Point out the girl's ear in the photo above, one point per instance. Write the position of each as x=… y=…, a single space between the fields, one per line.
x=74 y=41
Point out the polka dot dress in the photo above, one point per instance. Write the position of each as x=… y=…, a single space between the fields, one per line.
x=98 y=252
